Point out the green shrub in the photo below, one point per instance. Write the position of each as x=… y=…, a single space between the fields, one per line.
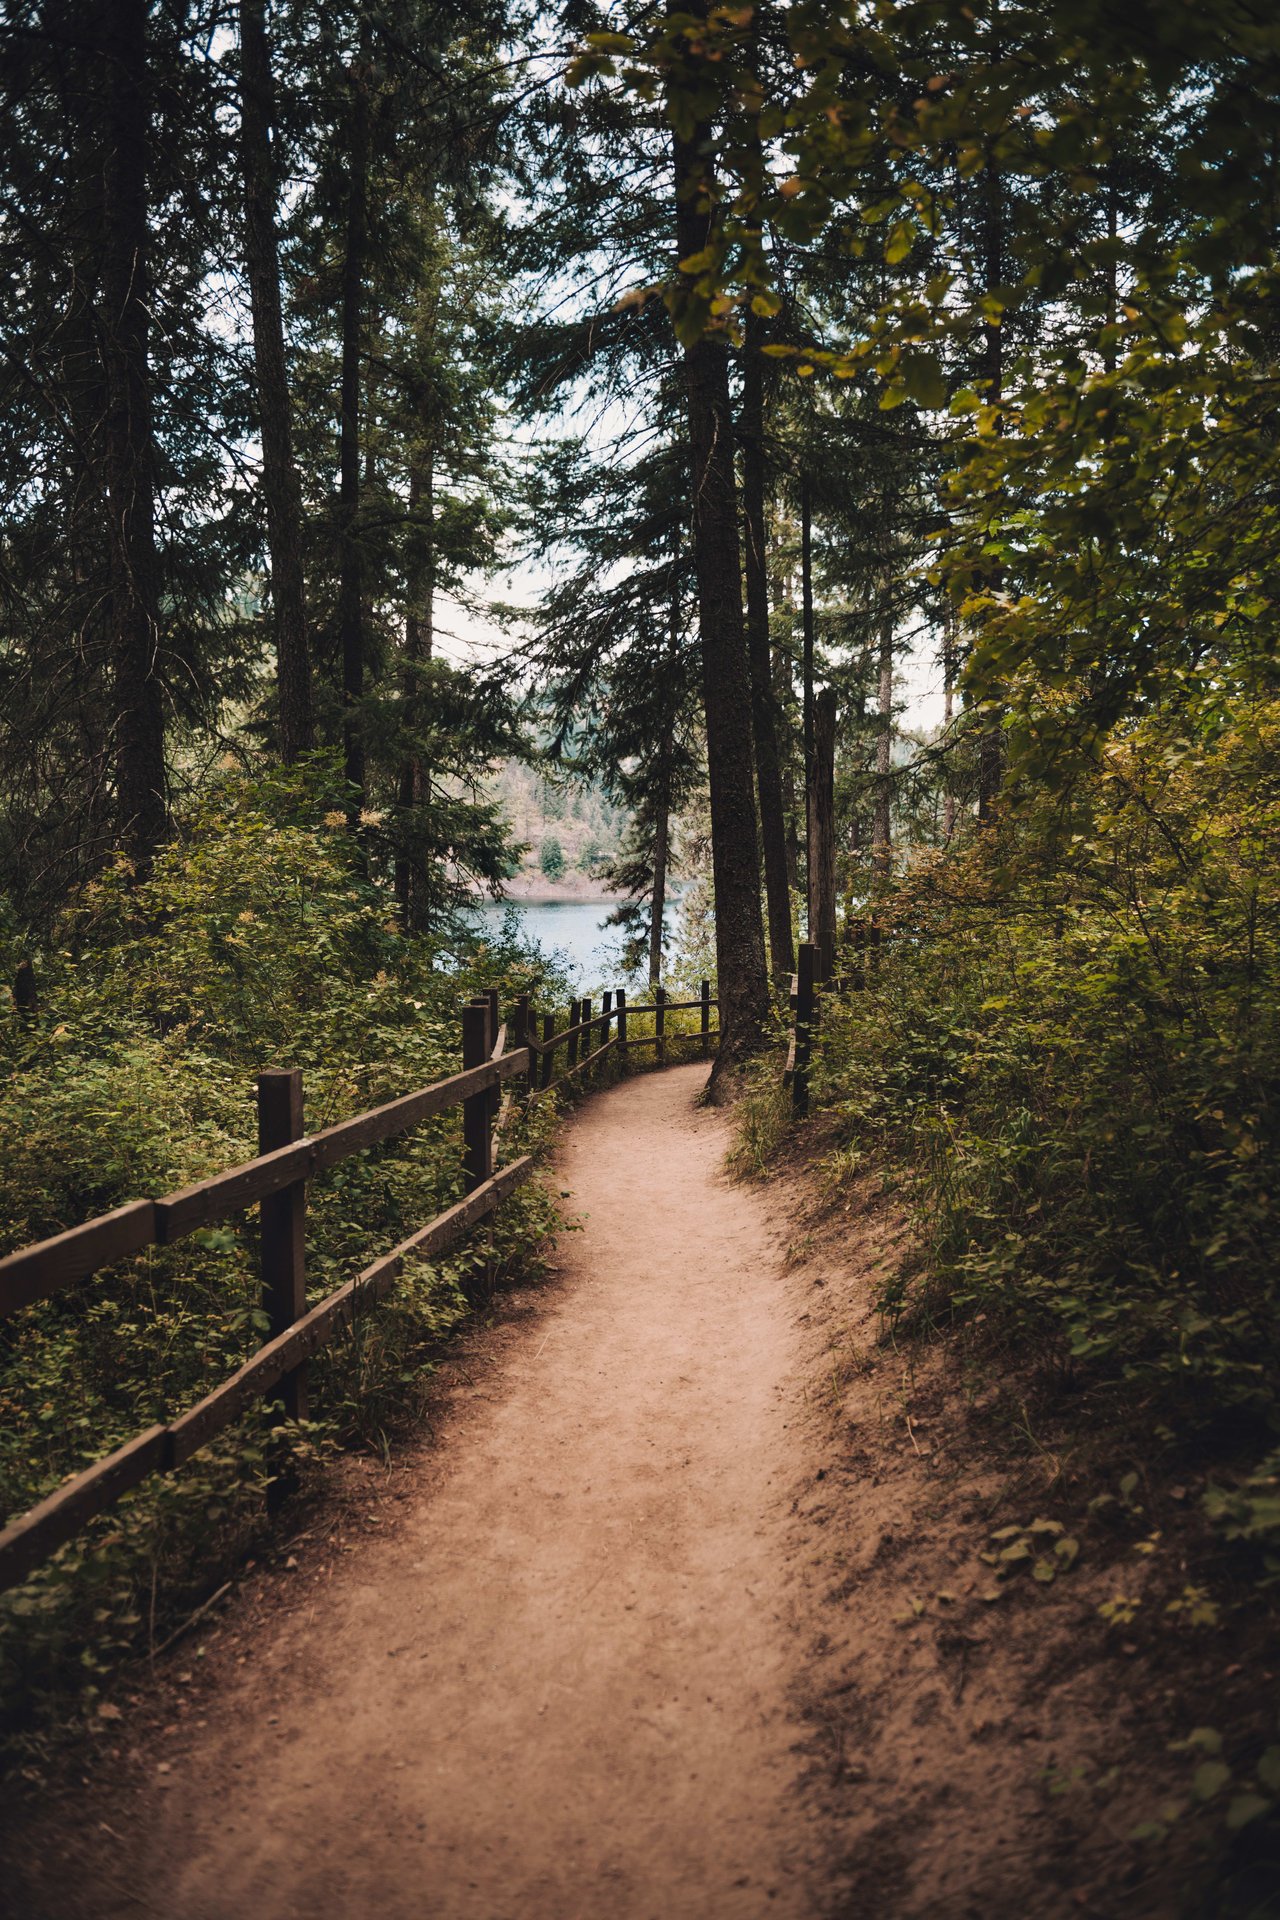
x=1071 y=1038
x=260 y=939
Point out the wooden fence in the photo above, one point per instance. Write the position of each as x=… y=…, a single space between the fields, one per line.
x=276 y=1180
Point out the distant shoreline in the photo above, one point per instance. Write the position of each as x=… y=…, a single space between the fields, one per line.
x=535 y=890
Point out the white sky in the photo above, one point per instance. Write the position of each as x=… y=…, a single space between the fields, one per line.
x=465 y=636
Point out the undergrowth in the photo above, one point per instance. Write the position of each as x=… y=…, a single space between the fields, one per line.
x=1065 y=1052
x=259 y=940
x=1069 y=1039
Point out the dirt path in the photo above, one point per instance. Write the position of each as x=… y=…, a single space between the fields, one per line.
x=561 y=1686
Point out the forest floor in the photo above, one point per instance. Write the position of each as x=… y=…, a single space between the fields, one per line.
x=675 y=1610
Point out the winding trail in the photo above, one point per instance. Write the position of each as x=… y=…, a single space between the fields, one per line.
x=561 y=1684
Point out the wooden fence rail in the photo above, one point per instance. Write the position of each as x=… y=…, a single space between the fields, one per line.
x=276 y=1181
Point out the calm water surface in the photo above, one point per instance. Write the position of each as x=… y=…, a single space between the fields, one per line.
x=574 y=929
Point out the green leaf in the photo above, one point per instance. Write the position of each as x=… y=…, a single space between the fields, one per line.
x=899 y=243
x=1245 y=1807
x=1149 y=1830
x=923 y=377
x=1209 y=1778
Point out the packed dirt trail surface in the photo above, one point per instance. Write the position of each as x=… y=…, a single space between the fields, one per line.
x=562 y=1685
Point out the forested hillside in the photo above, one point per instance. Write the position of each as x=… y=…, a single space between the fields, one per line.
x=877 y=410
x=570 y=830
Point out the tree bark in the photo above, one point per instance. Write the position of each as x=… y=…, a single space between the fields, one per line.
x=773 y=826
x=661 y=842
x=350 y=580
x=991 y=738
x=743 y=980
x=281 y=492
x=823 y=849
x=419 y=645
x=881 y=842
x=783 y=690
x=807 y=702
x=948 y=710
x=129 y=453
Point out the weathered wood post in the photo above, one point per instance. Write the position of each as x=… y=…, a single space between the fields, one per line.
x=606 y=1018
x=585 y=1014
x=622 y=1023
x=660 y=1025
x=706 y=1019
x=495 y=1021
x=572 y=1043
x=807 y=962
x=822 y=834
x=282 y=1223
x=477 y=1134
x=548 y=1035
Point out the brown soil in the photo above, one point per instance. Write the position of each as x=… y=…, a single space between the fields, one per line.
x=680 y=1615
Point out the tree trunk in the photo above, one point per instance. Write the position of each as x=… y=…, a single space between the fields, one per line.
x=948 y=710
x=991 y=738
x=790 y=805
x=280 y=489
x=127 y=435
x=350 y=581
x=773 y=827
x=881 y=844
x=658 y=905
x=823 y=849
x=419 y=645
x=743 y=980
x=807 y=699
x=1112 y=269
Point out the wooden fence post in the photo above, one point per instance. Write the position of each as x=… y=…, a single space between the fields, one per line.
x=622 y=1023
x=585 y=1014
x=548 y=1034
x=477 y=1133
x=660 y=1025
x=706 y=1019
x=495 y=1021
x=282 y=1223
x=807 y=961
x=606 y=1018
x=572 y=1042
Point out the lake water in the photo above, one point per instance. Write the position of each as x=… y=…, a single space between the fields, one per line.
x=574 y=929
